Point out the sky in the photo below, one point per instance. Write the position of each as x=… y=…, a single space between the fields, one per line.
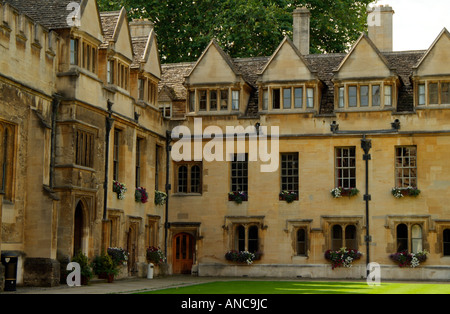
x=417 y=23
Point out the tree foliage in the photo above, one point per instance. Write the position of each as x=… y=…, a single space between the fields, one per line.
x=244 y=28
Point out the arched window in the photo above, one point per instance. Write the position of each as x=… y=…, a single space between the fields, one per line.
x=240 y=238
x=195 y=179
x=446 y=242
x=182 y=179
x=78 y=229
x=402 y=238
x=350 y=237
x=336 y=240
x=416 y=239
x=301 y=241
x=253 y=239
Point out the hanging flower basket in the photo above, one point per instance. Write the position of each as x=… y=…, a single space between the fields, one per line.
x=342 y=258
x=120 y=189
x=141 y=195
x=405 y=259
x=237 y=197
x=340 y=192
x=160 y=198
x=289 y=197
x=409 y=191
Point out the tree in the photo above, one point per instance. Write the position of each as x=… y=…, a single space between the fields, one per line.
x=244 y=28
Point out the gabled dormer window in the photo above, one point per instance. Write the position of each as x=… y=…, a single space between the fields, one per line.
x=364 y=96
x=300 y=97
x=433 y=93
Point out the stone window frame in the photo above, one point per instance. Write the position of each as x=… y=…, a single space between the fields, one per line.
x=342 y=95
x=85 y=147
x=411 y=168
x=427 y=95
x=267 y=99
x=152 y=231
x=232 y=223
x=340 y=179
x=292 y=228
x=441 y=226
x=392 y=221
x=344 y=221
x=189 y=178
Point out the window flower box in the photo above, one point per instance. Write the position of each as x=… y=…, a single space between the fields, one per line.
x=120 y=189
x=405 y=259
x=288 y=196
x=409 y=191
x=237 y=197
x=340 y=192
x=141 y=195
x=243 y=257
x=343 y=257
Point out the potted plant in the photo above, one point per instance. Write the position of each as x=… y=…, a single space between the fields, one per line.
x=237 y=197
x=340 y=192
x=288 y=196
x=155 y=256
x=120 y=189
x=104 y=267
x=404 y=259
x=160 y=198
x=141 y=195
x=119 y=256
x=342 y=258
x=409 y=191
x=85 y=267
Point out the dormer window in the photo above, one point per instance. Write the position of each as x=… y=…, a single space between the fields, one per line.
x=433 y=93
x=364 y=96
x=216 y=100
x=289 y=98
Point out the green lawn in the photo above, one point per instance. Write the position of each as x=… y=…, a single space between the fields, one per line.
x=299 y=287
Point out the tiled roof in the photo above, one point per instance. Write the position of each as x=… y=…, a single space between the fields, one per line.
x=50 y=13
x=401 y=62
x=109 y=23
x=139 y=45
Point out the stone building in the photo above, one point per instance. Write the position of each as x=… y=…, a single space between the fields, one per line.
x=85 y=102
x=78 y=109
x=327 y=109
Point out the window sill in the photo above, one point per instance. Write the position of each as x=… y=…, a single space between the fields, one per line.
x=186 y=194
x=363 y=109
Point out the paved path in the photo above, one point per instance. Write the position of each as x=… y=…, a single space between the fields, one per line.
x=119 y=286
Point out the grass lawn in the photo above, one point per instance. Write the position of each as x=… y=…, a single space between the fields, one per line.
x=299 y=287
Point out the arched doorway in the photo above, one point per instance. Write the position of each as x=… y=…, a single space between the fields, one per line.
x=78 y=229
x=183 y=253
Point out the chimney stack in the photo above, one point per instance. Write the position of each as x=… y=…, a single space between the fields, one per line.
x=140 y=28
x=380 y=21
x=302 y=29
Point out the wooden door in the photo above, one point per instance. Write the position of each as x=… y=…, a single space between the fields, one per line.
x=183 y=253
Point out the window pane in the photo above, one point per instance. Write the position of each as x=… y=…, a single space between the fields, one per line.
x=445 y=99
x=224 y=100
x=213 y=100
x=402 y=238
x=388 y=95
x=422 y=94
x=192 y=101
x=275 y=99
x=433 y=93
x=202 y=98
x=376 y=97
x=345 y=168
x=341 y=97
x=240 y=236
x=239 y=174
x=310 y=98
x=350 y=238
x=289 y=172
x=74 y=51
x=301 y=242
x=298 y=98
x=352 y=96
x=195 y=179
x=287 y=98
x=364 y=96
x=416 y=235
x=235 y=100
x=253 y=239
x=265 y=99
x=336 y=238
x=406 y=166
x=182 y=179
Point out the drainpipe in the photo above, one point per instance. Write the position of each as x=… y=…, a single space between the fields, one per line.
x=168 y=188
x=366 y=145
x=109 y=124
x=55 y=107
